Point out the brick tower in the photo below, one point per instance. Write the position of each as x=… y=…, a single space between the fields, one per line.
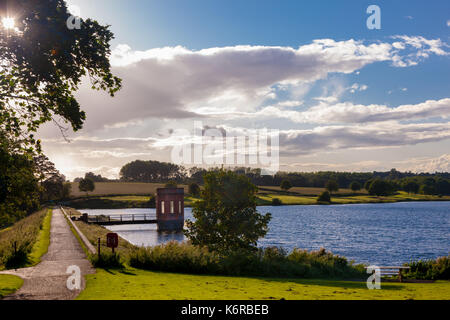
x=170 y=209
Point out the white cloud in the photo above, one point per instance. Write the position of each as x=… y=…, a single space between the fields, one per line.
x=437 y=164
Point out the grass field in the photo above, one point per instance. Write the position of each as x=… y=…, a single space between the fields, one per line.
x=119 y=188
x=9 y=284
x=142 y=285
x=130 y=194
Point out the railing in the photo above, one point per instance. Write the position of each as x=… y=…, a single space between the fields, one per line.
x=122 y=218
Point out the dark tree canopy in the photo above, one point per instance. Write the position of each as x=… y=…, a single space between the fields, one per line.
x=151 y=171
x=332 y=186
x=226 y=219
x=285 y=185
x=355 y=186
x=194 y=189
x=86 y=185
x=43 y=64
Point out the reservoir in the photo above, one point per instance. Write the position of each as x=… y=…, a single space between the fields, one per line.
x=384 y=233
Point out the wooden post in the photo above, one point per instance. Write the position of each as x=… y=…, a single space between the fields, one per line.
x=98 y=248
x=400 y=277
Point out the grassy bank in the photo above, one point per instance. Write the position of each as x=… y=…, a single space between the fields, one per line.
x=93 y=232
x=9 y=284
x=122 y=195
x=23 y=244
x=139 y=284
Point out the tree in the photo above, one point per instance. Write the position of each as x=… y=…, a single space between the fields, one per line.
x=331 y=186
x=380 y=188
x=86 y=185
x=226 y=219
x=43 y=64
x=324 y=197
x=285 y=185
x=151 y=171
x=367 y=184
x=19 y=184
x=355 y=186
x=171 y=184
x=194 y=189
x=411 y=187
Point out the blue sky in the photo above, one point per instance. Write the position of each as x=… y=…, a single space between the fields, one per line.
x=414 y=38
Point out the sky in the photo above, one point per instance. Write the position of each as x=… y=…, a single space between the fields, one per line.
x=338 y=95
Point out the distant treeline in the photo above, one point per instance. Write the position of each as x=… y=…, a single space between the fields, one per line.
x=162 y=172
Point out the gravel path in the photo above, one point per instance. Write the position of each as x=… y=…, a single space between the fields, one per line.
x=48 y=279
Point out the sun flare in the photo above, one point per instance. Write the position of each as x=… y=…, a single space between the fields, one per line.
x=8 y=23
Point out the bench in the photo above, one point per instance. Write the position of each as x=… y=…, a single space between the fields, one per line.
x=391 y=271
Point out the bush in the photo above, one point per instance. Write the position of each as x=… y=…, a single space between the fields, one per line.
x=324 y=197
x=438 y=269
x=276 y=202
x=107 y=260
x=269 y=262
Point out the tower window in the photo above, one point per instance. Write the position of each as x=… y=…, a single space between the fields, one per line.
x=162 y=206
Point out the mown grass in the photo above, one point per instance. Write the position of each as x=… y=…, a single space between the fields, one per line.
x=9 y=284
x=135 y=284
x=43 y=241
x=31 y=236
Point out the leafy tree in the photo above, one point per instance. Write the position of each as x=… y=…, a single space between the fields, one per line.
x=86 y=185
x=355 y=186
x=276 y=202
x=171 y=184
x=19 y=185
x=95 y=177
x=380 y=188
x=332 y=186
x=194 y=189
x=285 y=185
x=443 y=186
x=367 y=184
x=43 y=64
x=324 y=197
x=226 y=219
x=428 y=189
x=411 y=187
x=151 y=171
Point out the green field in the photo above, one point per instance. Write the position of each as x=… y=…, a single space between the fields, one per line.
x=9 y=284
x=143 y=285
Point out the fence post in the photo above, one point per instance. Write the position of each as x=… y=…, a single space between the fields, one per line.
x=98 y=248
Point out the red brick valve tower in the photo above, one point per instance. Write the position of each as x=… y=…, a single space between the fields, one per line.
x=170 y=209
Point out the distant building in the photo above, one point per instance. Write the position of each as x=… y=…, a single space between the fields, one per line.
x=170 y=209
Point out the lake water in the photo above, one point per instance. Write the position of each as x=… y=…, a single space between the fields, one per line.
x=384 y=234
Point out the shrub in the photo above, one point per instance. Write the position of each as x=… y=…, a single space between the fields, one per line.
x=438 y=269
x=285 y=185
x=276 y=202
x=270 y=262
x=107 y=260
x=324 y=197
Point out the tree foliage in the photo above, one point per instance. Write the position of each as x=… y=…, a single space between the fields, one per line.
x=151 y=171
x=355 y=186
x=332 y=186
x=43 y=64
x=285 y=185
x=226 y=219
x=86 y=185
x=194 y=189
